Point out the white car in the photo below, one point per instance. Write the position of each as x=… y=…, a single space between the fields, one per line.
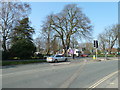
x=56 y=58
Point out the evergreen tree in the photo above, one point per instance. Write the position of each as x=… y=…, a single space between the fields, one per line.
x=22 y=42
x=23 y=31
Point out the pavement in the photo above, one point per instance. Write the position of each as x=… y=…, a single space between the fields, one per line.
x=113 y=84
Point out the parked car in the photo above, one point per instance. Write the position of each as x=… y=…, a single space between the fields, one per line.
x=56 y=58
x=84 y=55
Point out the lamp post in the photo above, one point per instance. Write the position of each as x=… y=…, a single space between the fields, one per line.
x=73 y=47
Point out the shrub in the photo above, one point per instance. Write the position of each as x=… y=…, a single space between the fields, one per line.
x=5 y=55
x=23 y=49
x=39 y=56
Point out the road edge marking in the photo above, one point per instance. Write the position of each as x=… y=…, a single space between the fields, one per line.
x=102 y=80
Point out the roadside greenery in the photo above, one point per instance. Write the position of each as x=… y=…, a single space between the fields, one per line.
x=5 y=63
x=59 y=32
x=22 y=49
x=10 y=14
x=102 y=55
x=22 y=45
x=34 y=60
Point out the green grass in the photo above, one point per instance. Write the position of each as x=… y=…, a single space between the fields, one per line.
x=5 y=63
x=102 y=55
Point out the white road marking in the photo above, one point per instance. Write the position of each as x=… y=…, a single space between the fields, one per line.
x=102 y=80
x=112 y=83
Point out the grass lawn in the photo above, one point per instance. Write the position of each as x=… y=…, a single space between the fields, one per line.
x=5 y=63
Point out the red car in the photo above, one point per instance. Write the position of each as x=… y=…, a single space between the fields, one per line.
x=84 y=55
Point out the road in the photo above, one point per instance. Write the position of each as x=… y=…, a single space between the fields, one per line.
x=73 y=74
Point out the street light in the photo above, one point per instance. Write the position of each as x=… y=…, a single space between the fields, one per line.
x=73 y=47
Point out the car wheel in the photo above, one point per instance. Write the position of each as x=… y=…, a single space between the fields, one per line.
x=56 y=60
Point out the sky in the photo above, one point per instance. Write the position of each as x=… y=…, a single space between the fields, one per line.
x=101 y=14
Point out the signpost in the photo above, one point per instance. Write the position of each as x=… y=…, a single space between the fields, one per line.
x=106 y=52
x=96 y=53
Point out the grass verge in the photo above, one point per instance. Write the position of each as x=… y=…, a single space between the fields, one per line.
x=5 y=63
x=103 y=56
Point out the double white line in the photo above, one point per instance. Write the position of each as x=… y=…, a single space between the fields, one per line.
x=102 y=80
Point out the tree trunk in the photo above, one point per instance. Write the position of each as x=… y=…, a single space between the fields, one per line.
x=67 y=45
x=110 y=50
x=64 y=46
x=4 y=43
x=48 y=43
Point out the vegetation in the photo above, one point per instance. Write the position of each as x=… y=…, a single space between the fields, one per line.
x=109 y=38
x=58 y=33
x=22 y=49
x=64 y=25
x=102 y=55
x=22 y=45
x=4 y=63
x=10 y=13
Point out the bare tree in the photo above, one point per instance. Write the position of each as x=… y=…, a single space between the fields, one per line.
x=74 y=42
x=10 y=13
x=109 y=37
x=40 y=43
x=54 y=46
x=68 y=22
x=87 y=47
x=102 y=41
x=112 y=34
x=47 y=32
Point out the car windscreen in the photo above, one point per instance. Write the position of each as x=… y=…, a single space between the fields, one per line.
x=59 y=56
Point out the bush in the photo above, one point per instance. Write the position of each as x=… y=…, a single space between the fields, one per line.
x=102 y=55
x=39 y=56
x=22 y=49
x=5 y=55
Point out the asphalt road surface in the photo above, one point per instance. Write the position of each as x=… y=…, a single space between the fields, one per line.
x=73 y=74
